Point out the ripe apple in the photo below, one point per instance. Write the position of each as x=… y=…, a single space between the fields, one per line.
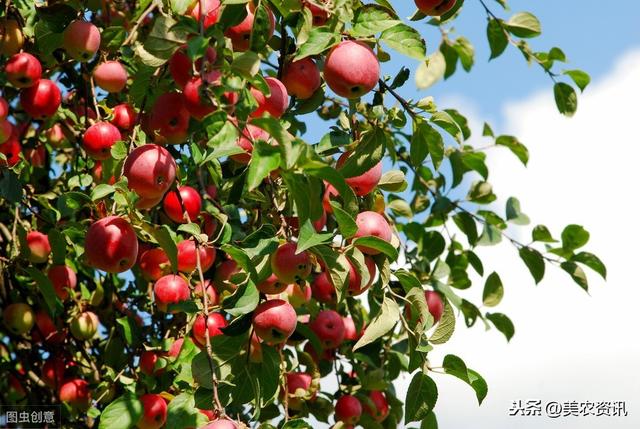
x=11 y=150
x=197 y=105
x=11 y=38
x=211 y=11
x=350 y=331
x=41 y=100
x=372 y=224
x=189 y=202
x=329 y=328
x=187 y=259
x=299 y=388
x=99 y=138
x=148 y=360
x=76 y=393
x=225 y=273
x=274 y=321
x=23 y=70
x=124 y=117
x=348 y=409
x=351 y=69
x=176 y=347
x=381 y=406
x=329 y=192
x=36 y=156
x=111 y=245
x=326 y=355
x=276 y=103
x=221 y=424
x=288 y=266
x=53 y=371
x=170 y=289
x=47 y=329
x=301 y=78
x=435 y=304
x=81 y=40
x=55 y=136
x=355 y=279
x=251 y=132
x=4 y=108
x=272 y=285
x=366 y=182
x=255 y=349
x=170 y=118
x=298 y=294
x=63 y=279
x=154 y=263
x=214 y=323
x=212 y=293
x=84 y=326
x=18 y=318
x=322 y=288
x=181 y=67
x=110 y=76
x=150 y=170
x=39 y=247
x=6 y=130
x=240 y=34
x=154 y=412
x=319 y=14
x=435 y=7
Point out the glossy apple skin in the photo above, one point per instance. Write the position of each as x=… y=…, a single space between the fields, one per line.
x=154 y=263
x=302 y=78
x=298 y=384
x=124 y=117
x=274 y=321
x=435 y=304
x=214 y=323
x=111 y=245
x=355 y=279
x=147 y=364
x=221 y=424
x=366 y=182
x=99 y=138
x=18 y=318
x=11 y=38
x=170 y=289
x=47 y=329
x=240 y=34
x=53 y=371
x=76 y=393
x=23 y=70
x=176 y=347
x=81 y=40
x=41 y=100
x=435 y=7
x=211 y=11
x=289 y=267
x=381 y=406
x=150 y=170
x=189 y=202
x=63 y=279
x=271 y=285
x=251 y=132
x=198 y=106
x=372 y=224
x=155 y=412
x=348 y=409
x=350 y=331
x=111 y=76
x=187 y=259
x=351 y=69
x=322 y=289
x=276 y=103
x=224 y=273
x=39 y=247
x=84 y=326
x=329 y=328
x=170 y=118
x=181 y=67
x=4 y=108
x=11 y=149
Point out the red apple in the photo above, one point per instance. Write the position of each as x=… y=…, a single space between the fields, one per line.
x=170 y=118
x=351 y=69
x=240 y=34
x=53 y=371
x=124 y=117
x=274 y=321
x=276 y=103
x=111 y=76
x=36 y=156
x=435 y=7
x=150 y=170
x=211 y=11
x=319 y=14
x=224 y=275
x=272 y=285
x=322 y=288
x=4 y=108
x=41 y=100
x=197 y=105
x=81 y=40
x=350 y=331
x=348 y=409
x=84 y=326
x=170 y=289
x=63 y=279
x=329 y=328
x=372 y=224
x=176 y=347
x=298 y=294
x=39 y=247
x=55 y=136
x=435 y=304
x=299 y=388
x=181 y=67
x=380 y=404
x=187 y=259
x=23 y=70
x=47 y=329
x=301 y=78
x=215 y=322
x=327 y=354
x=355 y=279
x=249 y=134
x=11 y=150
x=147 y=364
x=327 y=197
x=154 y=412
x=221 y=424
x=18 y=318
x=366 y=182
x=111 y=245
x=154 y=263
x=212 y=294
x=76 y=393
x=288 y=266
x=189 y=202
x=99 y=138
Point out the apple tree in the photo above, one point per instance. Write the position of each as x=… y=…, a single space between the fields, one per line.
x=178 y=250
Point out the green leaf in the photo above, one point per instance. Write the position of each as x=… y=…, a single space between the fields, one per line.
x=123 y=413
x=182 y=412
x=574 y=237
x=338 y=268
x=367 y=154
x=445 y=327
x=101 y=191
x=566 y=98
x=405 y=40
x=465 y=51
x=467 y=225
x=514 y=146
x=514 y=214
x=54 y=305
x=309 y=238
x=498 y=40
x=493 y=290
x=429 y=422
x=393 y=181
x=576 y=273
x=541 y=233
x=246 y=64
x=58 y=244
x=378 y=244
x=431 y=71
x=524 y=24
x=297 y=424
x=265 y=158
x=129 y=330
x=10 y=186
x=400 y=208
x=372 y=19
x=163 y=236
x=534 y=262
x=455 y=366
x=445 y=121
x=422 y=396
x=163 y=40
x=502 y=324
x=190 y=228
x=579 y=77
x=260 y=30
x=383 y=322
x=320 y=39
x=426 y=140
x=346 y=223
x=490 y=236
x=119 y=150
x=591 y=261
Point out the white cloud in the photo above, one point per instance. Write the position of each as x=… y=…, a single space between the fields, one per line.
x=568 y=345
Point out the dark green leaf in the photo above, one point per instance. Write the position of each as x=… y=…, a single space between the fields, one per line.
x=566 y=98
x=455 y=366
x=422 y=396
x=534 y=262
x=502 y=324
